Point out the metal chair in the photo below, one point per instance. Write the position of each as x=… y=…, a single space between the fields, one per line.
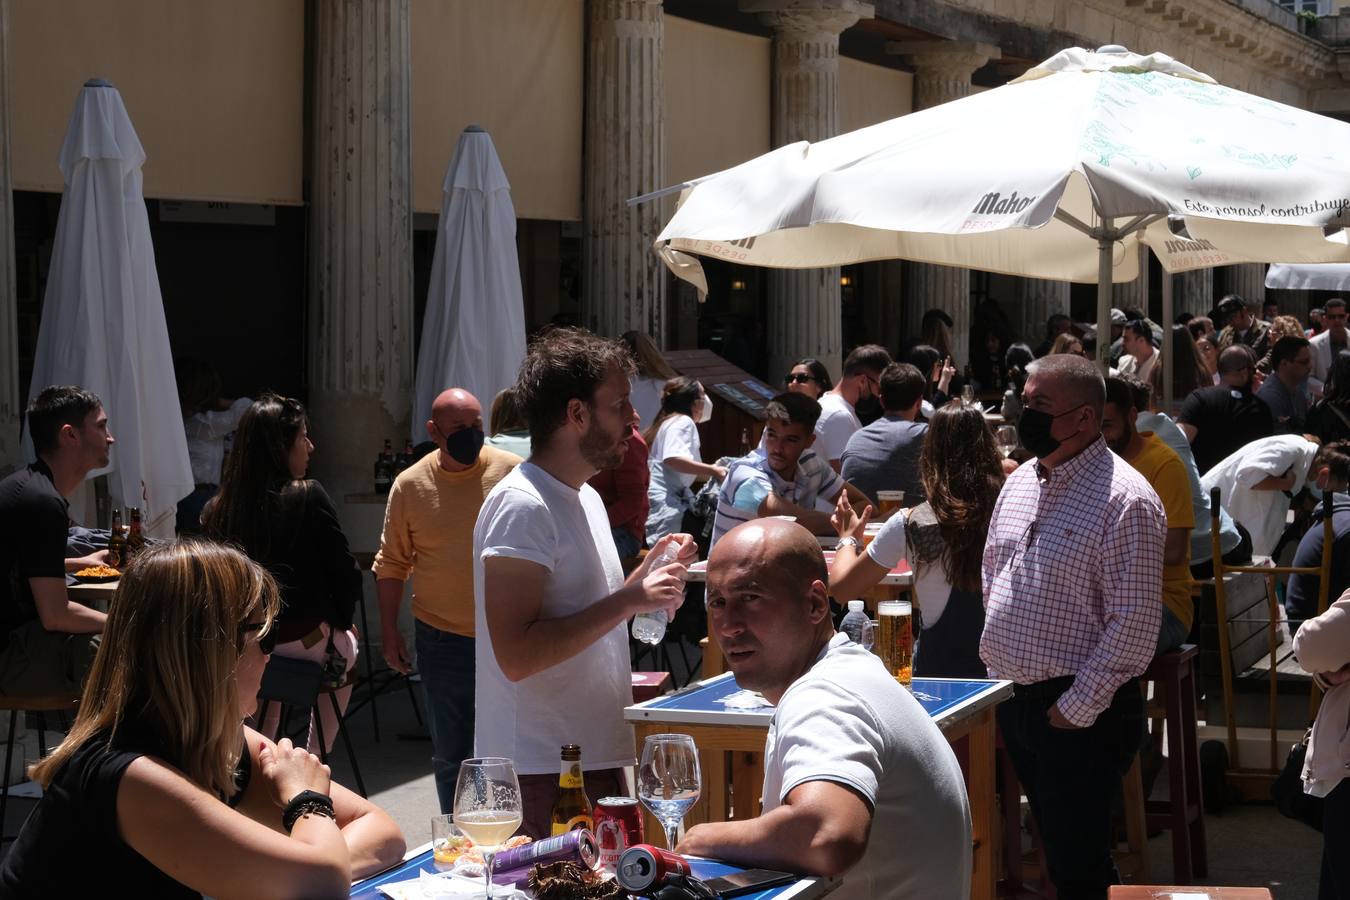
x=41 y=706
x=298 y=684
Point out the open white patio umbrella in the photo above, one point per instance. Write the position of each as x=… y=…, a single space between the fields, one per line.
x=1326 y=277
x=473 y=330
x=1059 y=175
x=102 y=315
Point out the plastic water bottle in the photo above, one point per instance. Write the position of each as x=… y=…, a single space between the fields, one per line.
x=853 y=622
x=650 y=627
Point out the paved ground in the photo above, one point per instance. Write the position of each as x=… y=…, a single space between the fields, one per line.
x=1250 y=845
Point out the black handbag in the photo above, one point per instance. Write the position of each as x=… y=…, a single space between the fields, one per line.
x=1287 y=789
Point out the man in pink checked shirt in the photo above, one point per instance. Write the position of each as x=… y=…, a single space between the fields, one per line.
x=1073 y=603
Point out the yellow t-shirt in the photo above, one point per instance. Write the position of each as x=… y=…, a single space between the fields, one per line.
x=428 y=529
x=1162 y=468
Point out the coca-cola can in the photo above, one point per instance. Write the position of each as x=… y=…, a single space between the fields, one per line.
x=618 y=826
x=647 y=868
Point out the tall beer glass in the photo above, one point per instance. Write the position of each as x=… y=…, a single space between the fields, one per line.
x=895 y=638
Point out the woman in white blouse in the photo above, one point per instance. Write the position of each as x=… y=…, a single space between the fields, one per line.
x=943 y=539
x=674 y=460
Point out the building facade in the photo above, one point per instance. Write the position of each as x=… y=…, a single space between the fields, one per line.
x=297 y=149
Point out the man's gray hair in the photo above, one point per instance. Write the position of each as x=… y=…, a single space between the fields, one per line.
x=1073 y=378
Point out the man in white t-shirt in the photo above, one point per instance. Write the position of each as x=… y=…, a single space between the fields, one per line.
x=850 y=754
x=551 y=605
x=838 y=420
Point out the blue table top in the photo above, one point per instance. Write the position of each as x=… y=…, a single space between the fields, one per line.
x=946 y=700
x=804 y=889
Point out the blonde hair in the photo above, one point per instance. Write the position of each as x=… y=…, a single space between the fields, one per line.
x=168 y=659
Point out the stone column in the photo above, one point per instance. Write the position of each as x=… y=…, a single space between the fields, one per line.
x=360 y=265
x=1193 y=292
x=942 y=72
x=804 y=313
x=1037 y=301
x=624 y=282
x=11 y=404
x=1249 y=281
x=1133 y=293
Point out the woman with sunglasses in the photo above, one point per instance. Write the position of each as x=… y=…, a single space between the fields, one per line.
x=287 y=523
x=808 y=376
x=160 y=786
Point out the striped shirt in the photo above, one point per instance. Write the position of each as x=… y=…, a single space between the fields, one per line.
x=750 y=479
x=1073 y=578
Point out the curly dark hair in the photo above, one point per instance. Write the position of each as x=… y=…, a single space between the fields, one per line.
x=562 y=365
x=962 y=474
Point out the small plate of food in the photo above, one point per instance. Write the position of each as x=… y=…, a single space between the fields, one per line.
x=97 y=575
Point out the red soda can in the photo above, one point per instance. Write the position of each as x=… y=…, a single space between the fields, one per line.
x=647 y=868
x=618 y=826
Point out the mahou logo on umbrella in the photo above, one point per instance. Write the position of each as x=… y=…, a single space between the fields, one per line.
x=995 y=204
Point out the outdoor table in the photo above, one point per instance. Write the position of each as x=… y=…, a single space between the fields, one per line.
x=419 y=860
x=95 y=594
x=960 y=708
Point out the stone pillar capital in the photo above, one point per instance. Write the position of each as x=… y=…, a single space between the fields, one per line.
x=949 y=58
x=808 y=20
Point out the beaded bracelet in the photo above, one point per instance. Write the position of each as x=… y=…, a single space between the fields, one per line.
x=307 y=803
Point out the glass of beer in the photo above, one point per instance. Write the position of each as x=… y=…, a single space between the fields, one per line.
x=895 y=638
x=888 y=502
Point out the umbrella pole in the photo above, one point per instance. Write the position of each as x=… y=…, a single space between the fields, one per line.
x=1105 y=241
x=1166 y=361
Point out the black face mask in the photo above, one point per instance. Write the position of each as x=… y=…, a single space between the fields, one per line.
x=1033 y=429
x=464 y=445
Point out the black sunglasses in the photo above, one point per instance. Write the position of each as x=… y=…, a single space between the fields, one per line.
x=267 y=641
x=799 y=378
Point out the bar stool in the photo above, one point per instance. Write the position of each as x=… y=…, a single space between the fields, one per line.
x=1173 y=673
x=40 y=705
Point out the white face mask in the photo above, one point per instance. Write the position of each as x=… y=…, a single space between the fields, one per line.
x=706 y=414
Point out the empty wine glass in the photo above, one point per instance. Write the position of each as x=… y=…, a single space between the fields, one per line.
x=669 y=780
x=1007 y=440
x=487 y=806
x=968 y=395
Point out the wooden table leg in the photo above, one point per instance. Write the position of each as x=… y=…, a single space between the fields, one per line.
x=983 y=810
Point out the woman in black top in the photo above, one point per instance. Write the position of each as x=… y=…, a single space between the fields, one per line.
x=1329 y=418
x=159 y=789
x=286 y=522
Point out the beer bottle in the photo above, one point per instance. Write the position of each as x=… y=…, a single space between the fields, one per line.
x=135 y=537
x=404 y=459
x=572 y=809
x=117 y=542
x=384 y=468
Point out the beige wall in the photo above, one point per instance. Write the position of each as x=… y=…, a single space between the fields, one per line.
x=870 y=94
x=515 y=68
x=717 y=98
x=215 y=90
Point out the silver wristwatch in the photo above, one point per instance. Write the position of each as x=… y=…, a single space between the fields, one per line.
x=849 y=542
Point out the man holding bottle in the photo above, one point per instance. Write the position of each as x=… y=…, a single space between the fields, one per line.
x=551 y=603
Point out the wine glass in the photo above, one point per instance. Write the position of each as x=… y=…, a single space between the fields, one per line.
x=487 y=806
x=669 y=781
x=968 y=395
x=1007 y=440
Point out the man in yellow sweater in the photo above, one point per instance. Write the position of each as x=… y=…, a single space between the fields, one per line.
x=1164 y=470
x=428 y=529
